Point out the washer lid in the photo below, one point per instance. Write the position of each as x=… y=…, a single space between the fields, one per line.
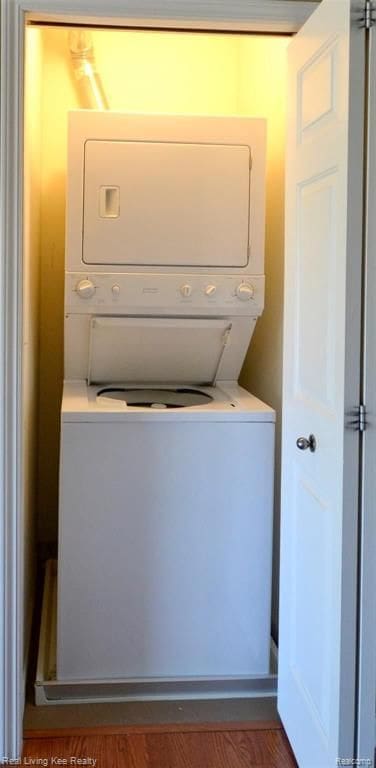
x=156 y=350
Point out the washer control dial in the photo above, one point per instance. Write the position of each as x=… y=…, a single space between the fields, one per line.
x=186 y=290
x=245 y=291
x=210 y=290
x=85 y=289
x=115 y=290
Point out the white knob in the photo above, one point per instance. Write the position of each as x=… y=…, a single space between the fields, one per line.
x=85 y=289
x=115 y=290
x=186 y=290
x=210 y=290
x=245 y=291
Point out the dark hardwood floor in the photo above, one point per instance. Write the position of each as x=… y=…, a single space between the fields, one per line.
x=242 y=745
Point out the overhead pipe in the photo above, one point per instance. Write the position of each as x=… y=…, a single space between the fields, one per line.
x=85 y=70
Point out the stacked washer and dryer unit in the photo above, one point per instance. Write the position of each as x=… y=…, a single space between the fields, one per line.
x=166 y=476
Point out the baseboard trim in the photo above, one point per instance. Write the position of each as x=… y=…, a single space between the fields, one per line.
x=124 y=730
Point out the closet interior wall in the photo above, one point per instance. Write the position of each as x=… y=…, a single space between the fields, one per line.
x=30 y=325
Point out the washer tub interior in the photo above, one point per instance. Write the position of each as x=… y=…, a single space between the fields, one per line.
x=181 y=397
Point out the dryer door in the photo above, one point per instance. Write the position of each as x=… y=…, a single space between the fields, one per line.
x=166 y=204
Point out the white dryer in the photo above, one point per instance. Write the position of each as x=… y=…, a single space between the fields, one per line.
x=166 y=476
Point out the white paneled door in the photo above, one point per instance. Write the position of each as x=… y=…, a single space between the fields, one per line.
x=324 y=215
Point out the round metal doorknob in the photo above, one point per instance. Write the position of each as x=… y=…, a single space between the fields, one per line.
x=303 y=443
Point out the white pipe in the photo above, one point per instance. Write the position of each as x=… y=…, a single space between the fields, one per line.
x=85 y=70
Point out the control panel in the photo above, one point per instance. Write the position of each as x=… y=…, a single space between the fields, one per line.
x=113 y=293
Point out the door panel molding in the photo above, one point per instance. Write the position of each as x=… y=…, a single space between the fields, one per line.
x=310 y=76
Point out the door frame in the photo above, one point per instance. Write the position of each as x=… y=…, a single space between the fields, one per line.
x=262 y=16
x=367 y=544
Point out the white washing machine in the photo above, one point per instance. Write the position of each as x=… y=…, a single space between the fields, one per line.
x=166 y=477
x=165 y=534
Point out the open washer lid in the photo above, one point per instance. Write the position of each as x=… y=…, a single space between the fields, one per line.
x=156 y=350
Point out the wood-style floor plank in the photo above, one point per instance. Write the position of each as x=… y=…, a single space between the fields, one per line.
x=216 y=750
x=189 y=749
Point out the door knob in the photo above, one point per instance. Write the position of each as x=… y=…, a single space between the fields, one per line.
x=302 y=443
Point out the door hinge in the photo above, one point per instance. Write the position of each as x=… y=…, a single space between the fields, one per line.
x=368 y=15
x=362 y=419
x=358 y=418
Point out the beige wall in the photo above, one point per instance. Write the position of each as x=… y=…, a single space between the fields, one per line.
x=30 y=350
x=158 y=72
x=57 y=96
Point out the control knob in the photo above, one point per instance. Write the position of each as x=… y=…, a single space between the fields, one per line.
x=85 y=289
x=244 y=291
x=210 y=290
x=186 y=290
